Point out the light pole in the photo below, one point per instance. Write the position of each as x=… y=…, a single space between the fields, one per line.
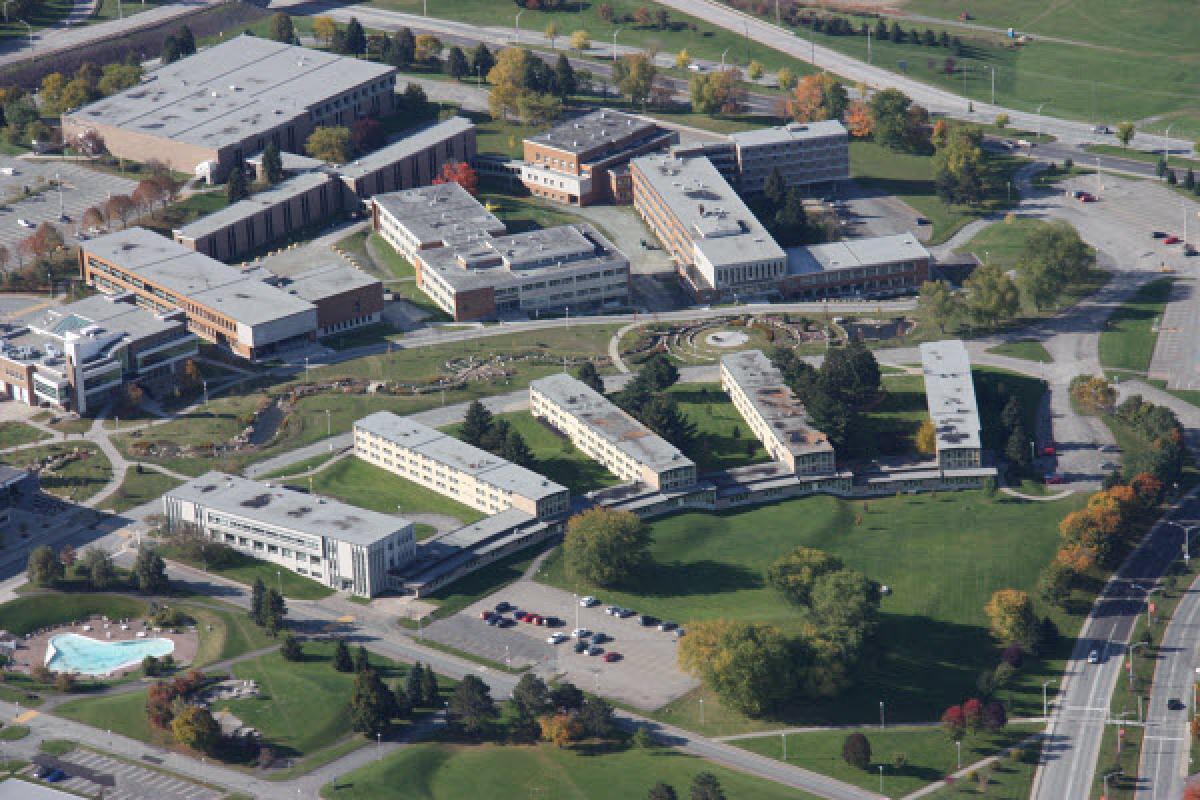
x=958 y=746
x=378 y=745
x=993 y=83
x=1187 y=529
x=205 y=391
x=568 y=317
x=279 y=577
x=1039 y=116
x=615 y=32
x=880 y=772
x=29 y=28
x=517 y=25
x=479 y=76
x=1045 y=704
x=329 y=429
x=701 y=710
x=868 y=49
x=783 y=736
x=58 y=181
x=723 y=52
x=1167 y=150
x=881 y=719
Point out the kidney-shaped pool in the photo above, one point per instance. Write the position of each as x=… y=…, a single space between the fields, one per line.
x=70 y=652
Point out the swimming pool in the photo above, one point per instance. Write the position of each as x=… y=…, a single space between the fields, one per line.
x=70 y=652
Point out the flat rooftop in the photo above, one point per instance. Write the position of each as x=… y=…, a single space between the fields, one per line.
x=253 y=205
x=108 y=312
x=458 y=455
x=196 y=276
x=950 y=394
x=852 y=253
x=413 y=142
x=608 y=421
x=320 y=283
x=445 y=213
x=722 y=228
x=796 y=131
x=229 y=92
x=594 y=129
x=502 y=261
x=287 y=508
x=771 y=397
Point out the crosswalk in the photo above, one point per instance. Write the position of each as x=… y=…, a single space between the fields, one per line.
x=129 y=781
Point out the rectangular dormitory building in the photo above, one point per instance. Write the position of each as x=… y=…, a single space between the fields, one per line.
x=344 y=547
x=415 y=160
x=950 y=393
x=609 y=435
x=805 y=153
x=209 y=111
x=453 y=468
x=775 y=415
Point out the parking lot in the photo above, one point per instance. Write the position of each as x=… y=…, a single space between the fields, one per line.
x=646 y=676
x=82 y=188
x=95 y=775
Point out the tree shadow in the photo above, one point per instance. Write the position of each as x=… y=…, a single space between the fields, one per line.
x=678 y=579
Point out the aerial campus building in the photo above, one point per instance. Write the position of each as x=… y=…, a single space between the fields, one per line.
x=576 y=161
x=342 y=546
x=76 y=357
x=805 y=153
x=453 y=468
x=610 y=436
x=950 y=393
x=775 y=415
x=254 y=313
x=467 y=265
x=880 y=266
x=207 y=112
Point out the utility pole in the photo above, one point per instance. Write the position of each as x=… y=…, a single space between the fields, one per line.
x=993 y=85
x=868 y=49
x=517 y=25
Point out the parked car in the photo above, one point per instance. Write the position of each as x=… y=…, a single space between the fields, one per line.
x=1101 y=129
x=587 y=601
x=24 y=223
x=580 y=633
x=1108 y=466
x=581 y=646
x=599 y=637
x=1054 y=480
x=1049 y=450
x=1094 y=657
x=612 y=610
x=1172 y=240
x=496 y=621
x=648 y=621
x=55 y=776
x=556 y=638
x=552 y=622
x=667 y=626
x=1159 y=234
x=595 y=651
x=504 y=622
x=486 y=615
x=626 y=613
x=612 y=656
x=1175 y=704
x=519 y=614
x=503 y=606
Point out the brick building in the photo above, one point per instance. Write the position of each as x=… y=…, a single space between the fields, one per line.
x=413 y=161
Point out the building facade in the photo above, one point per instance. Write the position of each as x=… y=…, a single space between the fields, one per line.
x=415 y=160
x=950 y=394
x=431 y=217
x=344 y=547
x=774 y=414
x=718 y=245
x=805 y=153
x=882 y=266
x=207 y=112
x=222 y=304
x=570 y=163
x=453 y=468
x=345 y=298
x=608 y=435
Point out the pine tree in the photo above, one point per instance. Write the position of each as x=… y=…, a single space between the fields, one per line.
x=430 y=697
x=516 y=450
x=356 y=38
x=237 y=189
x=482 y=60
x=274 y=610
x=456 y=63
x=371 y=703
x=775 y=188
x=272 y=163
x=1017 y=449
x=590 y=376
x=361 y=662
x=258 y=593
x=414 y=685
x=1010 y=415
x=291 y=650
x=564 y=77
x=476 y=424
x=187 y=41
x=406 y=47
x=341 y=657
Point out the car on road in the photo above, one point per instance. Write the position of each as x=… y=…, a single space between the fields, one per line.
x=503 y=606
x=581 y=646
x=1049 y=450
x=611 y=656
x=1110 y=448
x=495 y=621
x=552 y=622
x=505 y=622
x=625 y=613
x=556 y=638
x=580 y=633
x=1055 y=480
x=55 y=775
x=1109 y=466
x=1172 y=240
x=1094 y=657
x=24 y=223
x=587 y=601
x=1175 y=704
x=1101 y=129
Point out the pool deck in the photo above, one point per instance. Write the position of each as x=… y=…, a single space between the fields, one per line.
x=31 y=650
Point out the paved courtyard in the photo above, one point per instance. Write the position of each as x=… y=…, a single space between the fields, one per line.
x=82 y=188
x=95 y=775
x=646 y=676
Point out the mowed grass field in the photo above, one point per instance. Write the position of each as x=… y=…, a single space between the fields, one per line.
x=361 y=484
x=941 y=555
x=452 y=771
x=1127 y=341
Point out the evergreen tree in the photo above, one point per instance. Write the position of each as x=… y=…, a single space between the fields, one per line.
x=705 y=786
x=456 y=63
x=590 y=376
x=187 y=41
x=274 y=610
x=471 y=709
x=291 y=650
x=170 y=50
x=371 y=704
x=272 y=163
x=356 y=38
x=662 y=791
x=401 y=705
x=1017 y=449
x=237 y=188
x=476 y=424
x=1010 y=415
x=406 y=47
x=516 y=450
x=791 y=223
x=341 y=657
x=258 y=594
x=281 y=28
x=150 y=572
x=430 y=697
x=493 y=440
x=564 y=77
x=659 y=373
x=482 y=60
x=1189 y=179
x=413 y=685
x=661 y=414
x=775 y=188
x=361 y=662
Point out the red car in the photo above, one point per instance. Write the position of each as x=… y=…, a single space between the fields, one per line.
x=612 y=656
x=486 y=615
x=520 y=614
x=1172 y=240
x=532 y=619
x=1049 y=450
x=1054 y=480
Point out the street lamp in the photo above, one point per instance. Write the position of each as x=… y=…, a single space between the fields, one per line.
x=615 y=32
x=329 y=429
x=881 y=722
x=1187 y=529
x=958 y=745
x=517 y=25
x=279 y=577
x=29 y=28
x=1045 y=706
x=881 y=778
x=723 y=52
x=1039 y=116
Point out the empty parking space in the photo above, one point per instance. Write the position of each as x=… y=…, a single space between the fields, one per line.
x=646 y=676
x=92 y=774
x=81 y=188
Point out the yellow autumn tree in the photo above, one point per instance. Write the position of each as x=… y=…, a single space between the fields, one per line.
x=858 y=120
x=927 y=438
x=1011 y=614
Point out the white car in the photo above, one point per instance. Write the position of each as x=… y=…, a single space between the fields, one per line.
x=24 y=223
x=556 y=638
x=1094 y=657
x=588 y=601
x=580 y=633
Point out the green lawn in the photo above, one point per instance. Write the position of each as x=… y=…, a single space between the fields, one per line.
x=891 y=427
x=138 y=488
x=224 y=632
x=1001 y=243
x=13 y=733
x=942 y=556
x=1028 y=349
x=910 y=177
x=931 y=754
x=361 y=484
x=178 y=214
x=392 y=268
x=77 y=480
x=1127 y=341
x=123 y=713
x=15 y=433
x=299 y=467
x=41 y=610
x=556 y=457
x=451 y=772
x=723 y=440
x=107 y=9
x=246 y=569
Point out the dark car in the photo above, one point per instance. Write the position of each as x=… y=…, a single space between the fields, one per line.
x=581 y=646
x=648 y=621
x=518 y=614
x=494 y=621
x=600 y=638
x=502 y=606
x=1159 y=234
x=55 y=776
x=611 y=656
x=1175 y=704
x=667 y=626
x=626 y=613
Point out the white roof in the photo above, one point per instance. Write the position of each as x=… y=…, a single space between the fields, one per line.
x=950 y=393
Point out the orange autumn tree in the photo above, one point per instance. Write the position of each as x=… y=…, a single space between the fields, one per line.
x=816 y=98
x=858 y=120
x=459 y=172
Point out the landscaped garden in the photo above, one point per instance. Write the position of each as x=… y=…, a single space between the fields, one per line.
x=73 y=471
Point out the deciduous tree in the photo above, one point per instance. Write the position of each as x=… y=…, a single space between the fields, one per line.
x=705 y=786
x=459 y=172
x=858 y=120
x=1010 y=612
x=992 y=297
x=634 y=75
x=1125 y=132
x=752 y=667
x=45 y=569
x=150 y=572
x=281 y=28
x=817 y=97
x=604 y=547
x=471 y=709
x=324 y=29
x=329 y=143
x=101 y=572
x=856 y=751
x=195 y=727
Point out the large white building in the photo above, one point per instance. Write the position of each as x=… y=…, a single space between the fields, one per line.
x=803 y=152
x=605 y=433
x=950 y=393
x=453 y=468
x=774 y=414
x=344 y=547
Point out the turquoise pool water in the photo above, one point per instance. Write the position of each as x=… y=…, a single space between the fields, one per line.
x=70 y=652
